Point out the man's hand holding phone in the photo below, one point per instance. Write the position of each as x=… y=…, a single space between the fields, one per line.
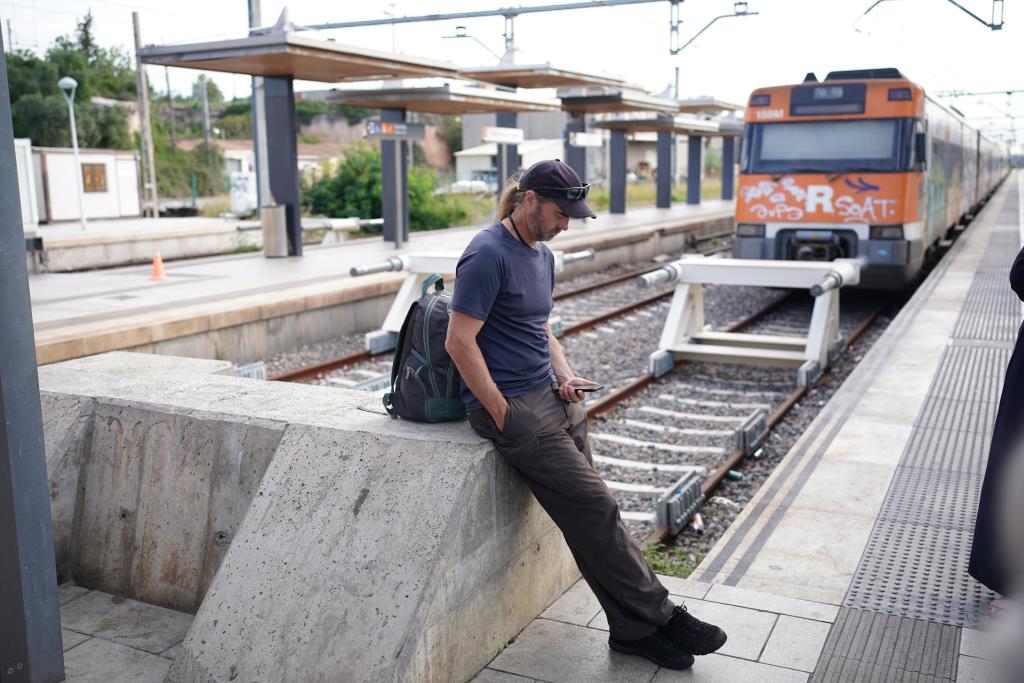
x=574 y=390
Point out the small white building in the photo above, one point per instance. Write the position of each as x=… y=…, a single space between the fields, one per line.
x=110 y=183
x=479 y=163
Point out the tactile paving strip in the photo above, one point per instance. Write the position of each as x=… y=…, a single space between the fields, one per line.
x=915 y=562
x=990 y=313
x=865 y=646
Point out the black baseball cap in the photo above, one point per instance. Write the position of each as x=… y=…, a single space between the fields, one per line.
x=555 y=179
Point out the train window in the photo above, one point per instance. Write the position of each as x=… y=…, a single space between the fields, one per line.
x=829 y=146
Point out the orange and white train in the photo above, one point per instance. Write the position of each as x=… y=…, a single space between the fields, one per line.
x=862 y=164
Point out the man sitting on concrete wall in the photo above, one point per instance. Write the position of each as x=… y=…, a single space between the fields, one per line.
x=521 y=393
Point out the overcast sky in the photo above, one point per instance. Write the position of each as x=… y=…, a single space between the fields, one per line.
x=931 y=41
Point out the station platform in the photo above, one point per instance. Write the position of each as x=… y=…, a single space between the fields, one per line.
x=123 y=241
x=203 y=302
x=850 y=563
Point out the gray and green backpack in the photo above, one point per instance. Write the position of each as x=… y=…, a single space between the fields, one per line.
x=425 y=384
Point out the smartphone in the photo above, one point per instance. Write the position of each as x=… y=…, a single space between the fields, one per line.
x=592 y=387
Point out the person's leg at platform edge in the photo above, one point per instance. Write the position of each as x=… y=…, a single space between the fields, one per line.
x=545 y=439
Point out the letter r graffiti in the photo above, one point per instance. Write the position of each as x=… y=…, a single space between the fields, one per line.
x=819 y=195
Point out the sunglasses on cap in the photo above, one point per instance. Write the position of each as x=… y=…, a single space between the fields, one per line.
x=572 y=193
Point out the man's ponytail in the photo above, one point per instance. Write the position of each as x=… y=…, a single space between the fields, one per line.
x=511 y=198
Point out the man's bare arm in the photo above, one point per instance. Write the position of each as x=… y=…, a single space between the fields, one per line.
x=462 y=347
x=563 y=373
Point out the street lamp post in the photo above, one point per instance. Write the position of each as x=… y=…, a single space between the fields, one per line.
x=68 y=86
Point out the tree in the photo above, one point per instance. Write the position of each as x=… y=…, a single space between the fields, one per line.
x=38 y=109
x=214 y=96
x=355 y=190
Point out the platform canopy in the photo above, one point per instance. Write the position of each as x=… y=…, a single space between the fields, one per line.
x=538 y=76
x=611 y=100
x=285 y=53
x=445 y=99
x=677 y=125
x=707 y=105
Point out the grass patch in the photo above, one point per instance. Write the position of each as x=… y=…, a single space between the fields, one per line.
x=645 y=194
x=479 y=208
x=215 y=206
x=670 y=561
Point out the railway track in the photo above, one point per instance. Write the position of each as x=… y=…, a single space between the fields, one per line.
x=648 y=434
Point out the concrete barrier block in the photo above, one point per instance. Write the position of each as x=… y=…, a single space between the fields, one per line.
x=165 y=494
x=342 y=559
x=66 y=421
x=367 y=549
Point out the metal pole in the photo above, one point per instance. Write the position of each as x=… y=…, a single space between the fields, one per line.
x=400 y=198
x=78 y=164
x=576 y=157
x=145 y=131
x=500 y=12
x=728 y=165
x=206 y=111
x=170 y=108
x=663 y=187
x=30 y=641
x=264 y=195
x=617 y=172
x=693 y=168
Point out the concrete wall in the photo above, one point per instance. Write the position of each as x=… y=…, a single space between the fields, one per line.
x=69 y=254
x=321 y=540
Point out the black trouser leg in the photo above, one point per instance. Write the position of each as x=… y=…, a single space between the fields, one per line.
x=545 y=440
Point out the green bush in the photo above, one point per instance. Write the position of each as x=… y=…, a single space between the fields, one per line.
x=355 y=190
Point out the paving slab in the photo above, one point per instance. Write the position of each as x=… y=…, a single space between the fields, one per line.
x=748 y=629
x=974 y=670
x=721 y=669
x=128 y=622
x=70 y=638
x=578 y=605
x=555 y=651
x=977 y=643
x=101 y=661
x=687 y=588
x=493 y=676
x=172 y=652
x=795 y=643
x=66 y=592
x=770 y=602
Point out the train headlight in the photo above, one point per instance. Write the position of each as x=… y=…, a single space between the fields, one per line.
x=750 y=229
x=886 y=232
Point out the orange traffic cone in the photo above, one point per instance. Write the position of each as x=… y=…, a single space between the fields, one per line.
x=158 y=267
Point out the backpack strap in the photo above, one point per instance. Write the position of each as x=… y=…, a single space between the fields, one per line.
x=388 y=406
x=404 y=341
x=435 y=280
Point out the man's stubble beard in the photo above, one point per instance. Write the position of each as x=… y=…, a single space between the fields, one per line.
x=533 y=224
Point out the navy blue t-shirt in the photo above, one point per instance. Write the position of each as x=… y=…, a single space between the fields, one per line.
x=508 y=285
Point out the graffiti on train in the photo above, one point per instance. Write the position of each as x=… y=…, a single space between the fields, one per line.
x=784 y=199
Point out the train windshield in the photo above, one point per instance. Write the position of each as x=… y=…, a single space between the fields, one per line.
x=829 y=146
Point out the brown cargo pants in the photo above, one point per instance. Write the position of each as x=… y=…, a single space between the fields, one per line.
x=545 y=439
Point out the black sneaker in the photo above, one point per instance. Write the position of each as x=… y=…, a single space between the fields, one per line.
x=657 y=647
x=692 y=634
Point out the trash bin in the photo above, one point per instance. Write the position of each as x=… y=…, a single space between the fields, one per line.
x=275 y=231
